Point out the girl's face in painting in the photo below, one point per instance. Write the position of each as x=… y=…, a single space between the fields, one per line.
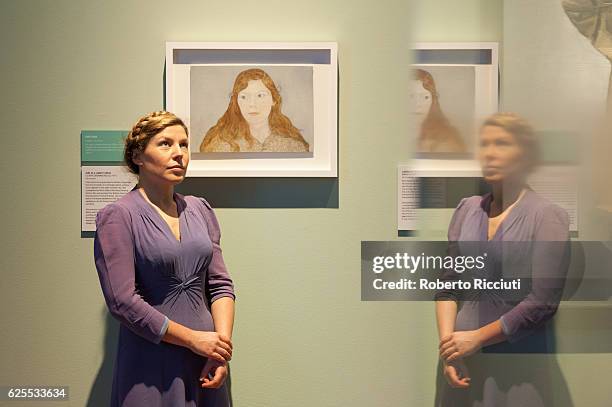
x=420 y=98
x=255 y=102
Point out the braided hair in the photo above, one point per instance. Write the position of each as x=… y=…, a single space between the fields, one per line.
x=144 y=130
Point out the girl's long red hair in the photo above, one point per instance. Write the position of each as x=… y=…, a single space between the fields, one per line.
x=436 y=126
x=232 y=126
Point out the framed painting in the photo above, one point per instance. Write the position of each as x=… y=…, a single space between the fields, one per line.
x=454 y=87
x=256 y=109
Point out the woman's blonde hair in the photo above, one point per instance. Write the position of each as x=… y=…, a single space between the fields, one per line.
x=521 y=130
x=232 y=126
x=145 y=128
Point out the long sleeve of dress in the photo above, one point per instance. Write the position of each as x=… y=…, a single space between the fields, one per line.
x=218 y=281
x=454 y=230
x=550 y=263
x=114 y=258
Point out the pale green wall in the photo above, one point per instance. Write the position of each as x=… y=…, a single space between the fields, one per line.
x=303 y=337
x=458 y=21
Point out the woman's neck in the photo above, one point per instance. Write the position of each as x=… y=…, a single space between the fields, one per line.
x=159 y=194
x=505 y=194
x=260 y=131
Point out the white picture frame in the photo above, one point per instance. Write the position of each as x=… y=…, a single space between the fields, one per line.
x=322 y=158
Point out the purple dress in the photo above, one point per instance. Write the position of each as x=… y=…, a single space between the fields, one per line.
x=534 y=239
x=147 y=276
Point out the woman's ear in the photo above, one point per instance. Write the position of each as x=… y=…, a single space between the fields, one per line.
x=136 y=159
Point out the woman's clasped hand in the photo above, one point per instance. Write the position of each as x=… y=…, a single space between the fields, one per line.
x=212 y=345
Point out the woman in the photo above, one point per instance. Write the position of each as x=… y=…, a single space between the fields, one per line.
x=436 y=133
x=535 y=236
x=163 y=277
x=253 y=120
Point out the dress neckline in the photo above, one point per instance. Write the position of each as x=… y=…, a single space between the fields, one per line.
x=508 y=220
x=179 y=209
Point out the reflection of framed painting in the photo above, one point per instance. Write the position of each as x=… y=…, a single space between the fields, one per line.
x=256 y=109
x=454 y=87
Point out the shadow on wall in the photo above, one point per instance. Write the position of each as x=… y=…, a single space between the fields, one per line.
x=101 y=390
x=507 y=380
x=264 y=192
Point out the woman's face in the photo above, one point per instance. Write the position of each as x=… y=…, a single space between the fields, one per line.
x=502 y=158
x=420 y=98
x=166 y=156
x=255 y=102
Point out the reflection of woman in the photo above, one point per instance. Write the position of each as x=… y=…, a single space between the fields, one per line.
x=512 y=212
x=163 y=277
x=436 y=133
x=253 y=120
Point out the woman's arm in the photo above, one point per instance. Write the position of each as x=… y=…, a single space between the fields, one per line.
x=213 y=373
x=491 y=334
x=114 y=259
x=465 y=343
x=446 y=314
x=549 y=266
x=209 y=344
x=223 y=316
x=218 y=281
x=219 y=290
x=455 y=372
x=219 y=287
